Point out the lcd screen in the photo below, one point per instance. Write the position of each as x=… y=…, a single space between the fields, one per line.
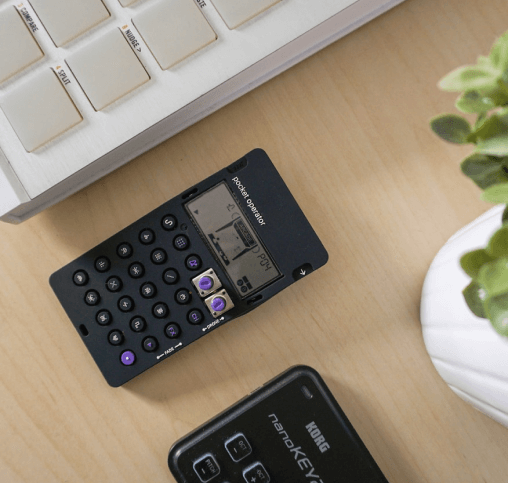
x=231 y=237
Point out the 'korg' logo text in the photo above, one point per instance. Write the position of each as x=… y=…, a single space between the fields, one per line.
x=318 y=438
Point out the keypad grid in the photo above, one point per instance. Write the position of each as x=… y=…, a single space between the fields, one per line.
x=132 y=298
x=212 y=466
x=106 y=69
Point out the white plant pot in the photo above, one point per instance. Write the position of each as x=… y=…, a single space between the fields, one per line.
x=467 y=352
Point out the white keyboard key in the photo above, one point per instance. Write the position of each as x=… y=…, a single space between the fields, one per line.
x=126 y=3
x=173 y=30
x=18 y=48
x=40 y=110
x=236 y=12
x=107 y=69
x=67 y=19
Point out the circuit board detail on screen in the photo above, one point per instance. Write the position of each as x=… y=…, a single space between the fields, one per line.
x=203 y=258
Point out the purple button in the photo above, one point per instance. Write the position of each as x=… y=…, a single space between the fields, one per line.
x=128 y=358
x=205 y=283
x=218 y=304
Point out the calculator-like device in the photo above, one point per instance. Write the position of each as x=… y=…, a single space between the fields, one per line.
x=201 y=259
x=290 y=430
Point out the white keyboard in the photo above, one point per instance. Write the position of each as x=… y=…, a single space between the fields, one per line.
x=87 y=85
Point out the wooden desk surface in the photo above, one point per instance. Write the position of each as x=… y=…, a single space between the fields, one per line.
x=348 y=130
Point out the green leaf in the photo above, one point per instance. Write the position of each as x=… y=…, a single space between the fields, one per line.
x=498 y=91
x=472 y=294
x=496 y=309
x=488 y=129
x=473 y=261
x=501 y=83
x=505 y=215
x=504 y=79
x=498 y=243
x=495 y=146
x=499 y=54
x=498 y=95
x=471 y=78
x=480 y=121
x=493 y=277
x=451 y=128
x=497 y=193
x=502 y=115
x=473 y=101
x=485 y=171
x=482 y=60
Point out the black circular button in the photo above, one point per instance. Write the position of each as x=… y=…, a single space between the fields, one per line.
x=168 y=222
x=160 y=310
x=104 y=317
x=181 y=242
x=195 y=317
x=126 y=304
x=114 y=284
x=136 y=270
x=92 y=297
x=102 y=264
x=193 y=262
x=170 y=276
x=147 y=236
x=115 y=337
x=124 y=250
x=172 y=330
x=150 y=344
x=183 y=296
x=158 y=256
x=80 y=278
x=138 y=324
x=148 y=290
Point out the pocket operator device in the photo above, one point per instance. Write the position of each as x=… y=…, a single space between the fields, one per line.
x=208 y=256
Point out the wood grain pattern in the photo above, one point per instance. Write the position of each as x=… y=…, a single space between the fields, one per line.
x=348 y=130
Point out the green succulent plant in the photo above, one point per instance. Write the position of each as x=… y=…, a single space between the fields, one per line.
x=483 y=92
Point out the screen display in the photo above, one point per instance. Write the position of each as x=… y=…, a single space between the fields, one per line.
x=232 y=238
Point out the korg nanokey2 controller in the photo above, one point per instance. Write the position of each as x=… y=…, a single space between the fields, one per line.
x=203 y=258
x=291 y=430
